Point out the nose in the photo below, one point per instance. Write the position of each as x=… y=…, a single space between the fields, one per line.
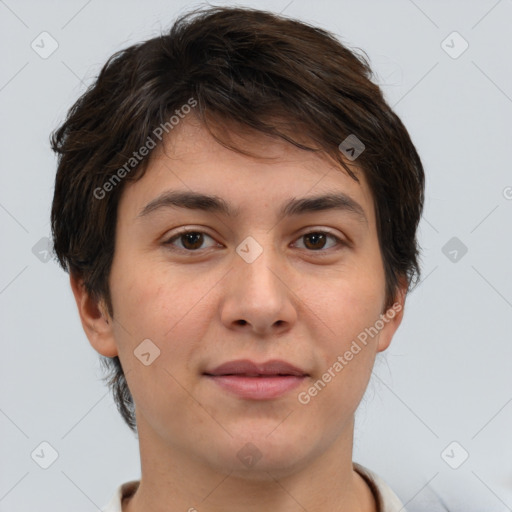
x=259 y=295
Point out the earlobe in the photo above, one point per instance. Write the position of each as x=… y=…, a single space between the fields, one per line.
x=392 y=318
x=97 y=324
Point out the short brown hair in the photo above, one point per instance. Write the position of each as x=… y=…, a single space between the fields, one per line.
x=265 y=72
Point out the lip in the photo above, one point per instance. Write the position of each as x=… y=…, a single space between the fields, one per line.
x=257 y=381
x=245 y=367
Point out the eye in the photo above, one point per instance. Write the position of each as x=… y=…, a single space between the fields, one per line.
x=316 y=240
x=191 y=240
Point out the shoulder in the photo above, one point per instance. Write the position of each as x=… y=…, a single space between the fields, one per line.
x=387 y=499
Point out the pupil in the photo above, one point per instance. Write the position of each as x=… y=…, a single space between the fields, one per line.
x=189 y=237
x=317 y=236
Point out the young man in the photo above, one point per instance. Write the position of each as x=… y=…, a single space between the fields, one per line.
x=237 y=207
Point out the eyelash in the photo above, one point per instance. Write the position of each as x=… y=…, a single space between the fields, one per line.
x=320 y=252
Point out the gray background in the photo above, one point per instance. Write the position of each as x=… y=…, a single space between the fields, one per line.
x=446 y=376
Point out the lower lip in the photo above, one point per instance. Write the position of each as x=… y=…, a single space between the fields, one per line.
x=257 y=388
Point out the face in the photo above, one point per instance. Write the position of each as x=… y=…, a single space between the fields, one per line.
x=258 y=283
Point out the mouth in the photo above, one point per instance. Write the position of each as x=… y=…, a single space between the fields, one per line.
x=257 y=381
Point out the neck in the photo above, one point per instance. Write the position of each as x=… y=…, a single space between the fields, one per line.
x=171 y=481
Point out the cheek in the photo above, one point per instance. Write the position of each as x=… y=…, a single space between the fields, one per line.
x=348 y=305
x=347 y=309
x=160 y=305
x=151 y=300
x=148 y=306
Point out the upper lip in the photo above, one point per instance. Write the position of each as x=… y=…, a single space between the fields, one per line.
x=252 y=369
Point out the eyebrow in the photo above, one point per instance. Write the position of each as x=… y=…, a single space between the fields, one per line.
x=215 y=204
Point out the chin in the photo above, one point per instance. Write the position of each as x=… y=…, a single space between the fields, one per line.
x=262 y=457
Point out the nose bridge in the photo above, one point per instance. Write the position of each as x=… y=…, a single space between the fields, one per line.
x=258 y=294
x=259 y=265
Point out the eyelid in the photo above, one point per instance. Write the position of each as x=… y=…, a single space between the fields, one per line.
x=320 y=229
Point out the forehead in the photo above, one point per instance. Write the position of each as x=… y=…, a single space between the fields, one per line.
x=190 y=160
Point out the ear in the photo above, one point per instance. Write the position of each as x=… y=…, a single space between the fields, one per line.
x=393 y=317
x=97 y=324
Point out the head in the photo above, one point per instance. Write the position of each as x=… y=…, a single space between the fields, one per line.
x=240 y=104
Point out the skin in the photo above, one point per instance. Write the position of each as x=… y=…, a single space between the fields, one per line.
x=295 y=305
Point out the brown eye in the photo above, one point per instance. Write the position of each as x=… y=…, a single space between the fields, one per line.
x=316 y=240
x=190 y=240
